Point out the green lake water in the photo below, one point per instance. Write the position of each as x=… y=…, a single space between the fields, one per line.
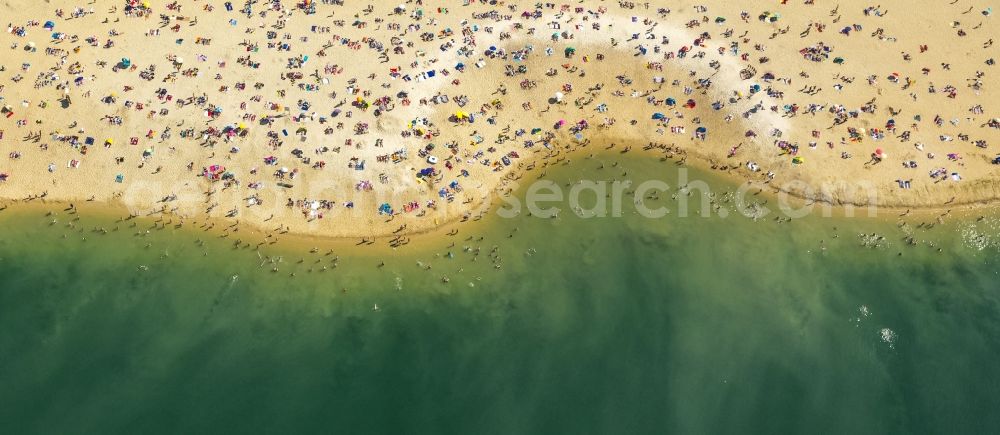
x=615 y=325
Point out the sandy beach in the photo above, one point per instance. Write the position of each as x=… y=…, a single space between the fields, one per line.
x=357 y=120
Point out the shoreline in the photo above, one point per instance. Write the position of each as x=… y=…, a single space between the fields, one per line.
x=421 y=237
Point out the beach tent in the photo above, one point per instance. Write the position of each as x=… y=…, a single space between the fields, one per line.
x=658 y=116
x=798 y=160
x=701 y=130
x=671 y=101
x=559 y=96
x=49 y=25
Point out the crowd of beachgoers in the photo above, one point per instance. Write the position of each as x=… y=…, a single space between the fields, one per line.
x=361 y=118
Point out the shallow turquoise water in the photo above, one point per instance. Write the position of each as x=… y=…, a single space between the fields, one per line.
x=625 y=325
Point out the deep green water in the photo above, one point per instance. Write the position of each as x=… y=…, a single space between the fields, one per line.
x=624 y=325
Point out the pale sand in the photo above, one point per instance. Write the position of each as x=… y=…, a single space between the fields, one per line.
x=905 y=28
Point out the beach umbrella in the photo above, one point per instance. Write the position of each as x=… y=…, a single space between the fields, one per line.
x=559 y=96
x=798 y=160
x=658 y=115
x=49 y=25
x=701 y=130
x=671 y=101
